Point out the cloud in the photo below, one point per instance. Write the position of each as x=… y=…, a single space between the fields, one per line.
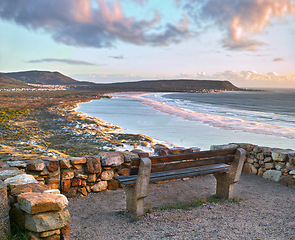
x=67 y=61
x=117 y=57
x=278 y=59
x=89 y=23
x=240 y=20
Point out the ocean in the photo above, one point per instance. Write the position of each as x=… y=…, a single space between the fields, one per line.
x=203 y=119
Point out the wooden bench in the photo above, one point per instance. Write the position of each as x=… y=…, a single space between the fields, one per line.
x=225 y=165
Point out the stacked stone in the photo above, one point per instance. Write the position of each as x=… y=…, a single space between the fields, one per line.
x=81 y=175
x=272 y=163
x=4 y=212
x=43 y=214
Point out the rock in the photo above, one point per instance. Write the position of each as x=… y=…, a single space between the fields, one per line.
x=256 y=165
x=260 y=171
x=128 y=156
x=4 y=174
x=33 y=203
x=49 y=233
x=4 y=207
x=175 y=150
x=42 y=222
x=76 y=182
x=65 y=185
x=162 y=150
x=77 y=166
x=111 y=159
x=107 y=175
x=53 y=191
x=83 y=191
x=91 y=178
x=81 y=176
x=287 y=180
x=292 y=172
x=65 y=163
x=280 y=155
x=250 y=169
x=20 y=180
x=35 y=165
x=18 y=164
x=260 y=156
x=250 y=160
x=113 y=184
x=100 y=186
x=67 y=175
x=266 y=151
x=272 y=175
x=72 y=192
x=257 y=149
x=93 y=165
x=267 y=159
x=269 y=166
x=225 y=146
x=140 y=153
x=51 y=164
x=290 y=166
x=29 y=187
x=53 y=183
x=65 y=233
x=123 y=171
x=77 y=160
x=292 y=158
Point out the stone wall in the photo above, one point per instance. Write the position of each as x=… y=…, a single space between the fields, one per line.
x=271 y=163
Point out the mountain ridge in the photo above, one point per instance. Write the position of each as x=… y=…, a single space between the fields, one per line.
x=22 y=79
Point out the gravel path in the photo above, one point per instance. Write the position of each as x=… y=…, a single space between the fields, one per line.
x=266 y=212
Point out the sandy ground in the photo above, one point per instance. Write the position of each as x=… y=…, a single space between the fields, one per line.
x=267 y=211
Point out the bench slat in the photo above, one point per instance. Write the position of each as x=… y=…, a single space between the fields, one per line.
x=180 y=157
x=130 y=180
x=185 y=164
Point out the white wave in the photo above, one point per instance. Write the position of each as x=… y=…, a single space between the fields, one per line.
x=223 y=122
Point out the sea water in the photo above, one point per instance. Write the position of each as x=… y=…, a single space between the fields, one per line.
x=203 y=119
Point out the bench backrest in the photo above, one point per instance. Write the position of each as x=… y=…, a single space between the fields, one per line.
x=188 y=160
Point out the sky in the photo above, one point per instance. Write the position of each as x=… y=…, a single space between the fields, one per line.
x=249 y=42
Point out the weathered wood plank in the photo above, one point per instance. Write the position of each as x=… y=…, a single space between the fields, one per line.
x=179 y=157
x=189 y=172
x=186 y=164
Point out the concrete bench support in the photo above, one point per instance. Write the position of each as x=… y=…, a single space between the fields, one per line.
x=135 y=194
x=226 y=181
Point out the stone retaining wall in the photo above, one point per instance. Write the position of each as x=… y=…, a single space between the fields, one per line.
x=33 y=186
x=271 y=163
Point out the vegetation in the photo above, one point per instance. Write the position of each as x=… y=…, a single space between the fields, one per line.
x=196 y=203
x=18 y=234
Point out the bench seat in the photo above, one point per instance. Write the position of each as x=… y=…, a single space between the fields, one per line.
x=130 y=180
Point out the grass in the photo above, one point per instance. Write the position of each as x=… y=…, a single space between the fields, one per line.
x=197 y=202
x=18 y=234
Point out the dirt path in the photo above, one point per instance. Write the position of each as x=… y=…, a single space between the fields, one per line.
x=266 y=212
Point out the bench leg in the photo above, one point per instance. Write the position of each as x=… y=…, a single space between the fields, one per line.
x=134 y=204
x=224 y=189
x=226 y=181
x=135 y=195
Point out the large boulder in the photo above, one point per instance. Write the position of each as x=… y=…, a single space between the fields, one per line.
x=111 y=159
x=33 y=203
x=273 y=175
x=42 y=222
x=20 y=180
x=8 y=173
x=93 y=165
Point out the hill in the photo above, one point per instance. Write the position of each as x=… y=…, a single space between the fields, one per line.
x=9 y=82
x=180 y=85
x=42 y=77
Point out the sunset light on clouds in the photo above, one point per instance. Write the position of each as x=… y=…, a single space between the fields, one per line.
x=249 y=42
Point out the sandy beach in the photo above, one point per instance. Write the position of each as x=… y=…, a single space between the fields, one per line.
x=265 y=212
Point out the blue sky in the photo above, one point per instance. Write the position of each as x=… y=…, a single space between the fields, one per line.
x=249 y=42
